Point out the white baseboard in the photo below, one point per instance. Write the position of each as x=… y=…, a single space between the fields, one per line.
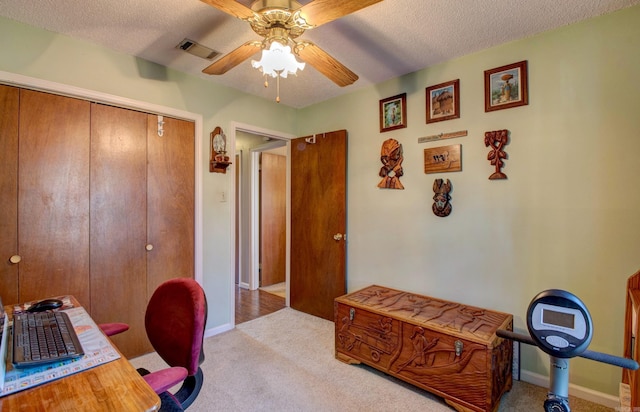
x=217 y=330
x=574 y=390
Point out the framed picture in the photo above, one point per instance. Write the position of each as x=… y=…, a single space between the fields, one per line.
x=506 y=87
x=443 y=101
x=393 y=113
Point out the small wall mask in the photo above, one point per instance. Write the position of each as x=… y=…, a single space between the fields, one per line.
x=441 y=206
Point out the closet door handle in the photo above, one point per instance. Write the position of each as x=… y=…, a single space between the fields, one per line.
x=149 y=247
x=15 y=259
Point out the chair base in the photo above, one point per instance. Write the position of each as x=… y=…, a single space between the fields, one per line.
x=168 y=403
x=190 y=389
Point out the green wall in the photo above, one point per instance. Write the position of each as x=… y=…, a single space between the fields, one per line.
x=567 y=216
x=56 y=58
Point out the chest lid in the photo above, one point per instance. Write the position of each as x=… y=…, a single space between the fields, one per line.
x=451 y=318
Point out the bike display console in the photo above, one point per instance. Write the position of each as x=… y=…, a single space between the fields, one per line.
x=560 y=324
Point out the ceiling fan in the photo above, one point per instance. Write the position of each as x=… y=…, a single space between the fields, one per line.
x=283 y=21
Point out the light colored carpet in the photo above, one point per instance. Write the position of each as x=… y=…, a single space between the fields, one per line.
x=278 y=289
x=285 y=362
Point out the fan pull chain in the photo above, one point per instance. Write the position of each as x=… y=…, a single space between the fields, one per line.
x=266 y=84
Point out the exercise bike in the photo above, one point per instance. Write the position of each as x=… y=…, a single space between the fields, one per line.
x=560 y=324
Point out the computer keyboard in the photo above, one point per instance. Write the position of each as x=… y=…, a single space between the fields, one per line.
x=43 y=337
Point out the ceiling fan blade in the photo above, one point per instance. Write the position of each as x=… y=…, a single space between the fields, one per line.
x=325 y=64
x=231 y=7
x=231 y=60
x=323 y=11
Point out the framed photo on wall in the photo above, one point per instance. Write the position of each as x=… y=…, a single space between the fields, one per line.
x=443 y=101
x=393 y=113
x=506 y=87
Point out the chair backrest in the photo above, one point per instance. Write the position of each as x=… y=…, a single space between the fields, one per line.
x=175 y=320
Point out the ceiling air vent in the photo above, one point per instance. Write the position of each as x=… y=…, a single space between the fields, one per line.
x=197 y=49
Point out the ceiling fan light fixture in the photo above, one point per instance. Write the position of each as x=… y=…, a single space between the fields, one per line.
x=278 y=61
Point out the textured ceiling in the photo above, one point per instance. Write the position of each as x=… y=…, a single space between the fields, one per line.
x=383 y=41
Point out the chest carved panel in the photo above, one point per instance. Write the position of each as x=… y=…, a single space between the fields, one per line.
x=447 y=348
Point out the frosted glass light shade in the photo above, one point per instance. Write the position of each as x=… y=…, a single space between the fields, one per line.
x=278 y=61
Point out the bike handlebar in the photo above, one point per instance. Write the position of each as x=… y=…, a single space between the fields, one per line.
x=588 y=354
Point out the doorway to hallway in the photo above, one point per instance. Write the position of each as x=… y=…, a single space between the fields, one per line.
x=260 y=221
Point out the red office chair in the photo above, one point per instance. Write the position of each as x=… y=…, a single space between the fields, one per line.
x=175 y=319
x=111 y=329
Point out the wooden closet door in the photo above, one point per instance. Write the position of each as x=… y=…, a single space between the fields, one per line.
x=9 y=100
x=119 y=223
x=170 y=196
x=53 y=196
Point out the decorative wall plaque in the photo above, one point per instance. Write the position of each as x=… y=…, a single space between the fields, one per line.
x=443 y=159
x=218 y=159
x=497 y=140
x=441 y=206
x=391 y=170
x=442 y=136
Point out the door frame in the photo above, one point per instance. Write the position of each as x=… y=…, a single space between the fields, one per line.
x=18 y=80
x=235 y=127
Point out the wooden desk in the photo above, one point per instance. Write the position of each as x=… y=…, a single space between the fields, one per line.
x=113 y=386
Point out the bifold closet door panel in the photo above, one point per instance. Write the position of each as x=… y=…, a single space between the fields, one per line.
x=170 y=196
x=9 y=109
x=53 y=196
x=119 y=222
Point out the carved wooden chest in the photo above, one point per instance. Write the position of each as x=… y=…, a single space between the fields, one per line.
x=447 y=348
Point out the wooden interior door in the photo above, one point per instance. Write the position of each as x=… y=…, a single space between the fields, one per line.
x=273 y=218
x=318 y=223
x=171 y=200
x=53 y=196
x=9 y=109
x=119 y=223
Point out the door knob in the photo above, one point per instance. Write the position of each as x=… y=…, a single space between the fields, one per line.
x=337 y=236
x=15 y=259
x=149 y=247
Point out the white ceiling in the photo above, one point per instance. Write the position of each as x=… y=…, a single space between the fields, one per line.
x=383 y=41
